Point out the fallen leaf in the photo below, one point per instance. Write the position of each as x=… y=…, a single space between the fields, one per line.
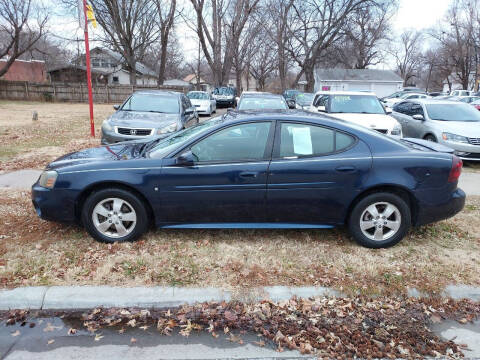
x=16 y=333
x=72 y=331
x=144 y=328
x=133 y=340
x=98 y=337
x=51 y=341
x=132 y=323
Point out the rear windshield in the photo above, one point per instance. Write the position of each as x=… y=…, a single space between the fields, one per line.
x=197 y=95
x=152 y=103
x=453 y=112
x=223 y=91
x=262 y=103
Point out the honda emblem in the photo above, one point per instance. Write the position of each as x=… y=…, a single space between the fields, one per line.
x=133 y=132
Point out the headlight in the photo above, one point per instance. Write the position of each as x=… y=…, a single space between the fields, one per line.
x=397 y=130
x=48 y=179
x=167 y=129
x=106 y=126
x=454 y=138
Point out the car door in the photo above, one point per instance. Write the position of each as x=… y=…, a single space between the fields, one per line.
x=227 y=181
x=401 y=113
x=415 y=127
x=315 y=173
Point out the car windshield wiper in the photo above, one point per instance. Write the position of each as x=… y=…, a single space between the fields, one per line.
x=160 y=112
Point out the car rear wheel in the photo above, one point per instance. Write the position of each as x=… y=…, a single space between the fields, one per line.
x=114 y=215
x=380 y=220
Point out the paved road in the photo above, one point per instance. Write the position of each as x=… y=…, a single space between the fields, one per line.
x=36 y=343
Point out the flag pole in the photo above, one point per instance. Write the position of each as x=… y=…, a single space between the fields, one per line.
x=89 y=73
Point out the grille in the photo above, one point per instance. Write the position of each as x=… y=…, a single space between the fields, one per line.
x=474 y=141
x=134 y=132
x=197 y=105
x=383 y=131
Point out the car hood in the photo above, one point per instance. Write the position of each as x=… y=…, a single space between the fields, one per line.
x=142 y=119
x=120 y=151
x=374 y=121
x=200 y=101
x=463 y=128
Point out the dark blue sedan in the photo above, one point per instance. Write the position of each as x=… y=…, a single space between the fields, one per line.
x=284 y=169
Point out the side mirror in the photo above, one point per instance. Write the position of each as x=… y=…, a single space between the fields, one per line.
x=186 y=159
x=291 y=103
x=189 y=111
x=388 y=110
x=116 y=107
x=321 y=109
x=418 y=117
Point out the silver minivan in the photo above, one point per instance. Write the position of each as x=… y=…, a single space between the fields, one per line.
x=454 y=124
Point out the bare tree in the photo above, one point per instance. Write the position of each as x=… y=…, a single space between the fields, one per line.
x=219 y=25
x=130 y=28
x=314 y=28
x=166 y=14
x=407 y=55
x=264 y=61
x=173 y=60
x=17 y=32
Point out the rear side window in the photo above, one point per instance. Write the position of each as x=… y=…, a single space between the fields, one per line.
x=403 y=107
x=297 y=140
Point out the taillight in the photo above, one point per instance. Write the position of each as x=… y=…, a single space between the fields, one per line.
x=456 y=169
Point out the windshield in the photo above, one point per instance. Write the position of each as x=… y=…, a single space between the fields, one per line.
x=197 y=95
x=152 y=103
x=356 y=104
x=223 y=91
x=453 y=112
x=291 y=93
x=262 y=103
x=165 y=146
x=304 y=98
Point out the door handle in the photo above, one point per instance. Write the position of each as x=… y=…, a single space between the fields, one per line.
x=248 y=175
x=345 y=169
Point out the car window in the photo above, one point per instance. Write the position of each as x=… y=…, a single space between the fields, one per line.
x=403 y=107
x=453 y=112
x=197 y=95
x=357 y=104
x=262 y=103
x=246 y=142
x=297 y=140
x=321 y=100
x=416 y=109
x=152 y=103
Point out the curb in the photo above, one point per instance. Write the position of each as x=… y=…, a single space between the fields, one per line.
x=88 y=297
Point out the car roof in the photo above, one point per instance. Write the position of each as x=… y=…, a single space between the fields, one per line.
x=260 y=94
x=159 y=92
x=197 y=91
x=345 y=93
x=435 y=101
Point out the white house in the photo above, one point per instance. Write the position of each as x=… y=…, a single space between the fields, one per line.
x=113 y=65
x=380 y=82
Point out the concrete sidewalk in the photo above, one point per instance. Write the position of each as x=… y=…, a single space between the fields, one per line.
x=24 y=179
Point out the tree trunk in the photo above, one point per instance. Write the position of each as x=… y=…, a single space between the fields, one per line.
x=163 y=61
x=309 y=75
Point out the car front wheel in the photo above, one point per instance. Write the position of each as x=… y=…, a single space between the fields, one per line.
x=380 y=220
x=114 y=215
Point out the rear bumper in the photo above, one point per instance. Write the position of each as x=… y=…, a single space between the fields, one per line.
x=54 y=205
x=444 y=209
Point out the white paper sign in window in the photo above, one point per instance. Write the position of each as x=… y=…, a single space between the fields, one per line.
x=302 y=140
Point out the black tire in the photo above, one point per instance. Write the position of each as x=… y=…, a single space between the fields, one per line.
x=430 y=137
x=142 y=219
x=375 y=198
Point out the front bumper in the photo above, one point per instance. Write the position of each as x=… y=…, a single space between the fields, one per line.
x=223 y=102
x=53 y=204
x=111 y=137
x=429 y=212
x=467 y=152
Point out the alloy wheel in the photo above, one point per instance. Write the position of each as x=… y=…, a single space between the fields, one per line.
x=114 y=217
x=380 y=221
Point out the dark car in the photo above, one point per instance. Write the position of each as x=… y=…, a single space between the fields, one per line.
x=261 y=101
x=149 y=114
x=278 y=169
x=225 y=96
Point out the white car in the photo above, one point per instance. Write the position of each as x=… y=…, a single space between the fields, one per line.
x=361 y=108
x=461 y=93
x=203 y=102
x=407 y=96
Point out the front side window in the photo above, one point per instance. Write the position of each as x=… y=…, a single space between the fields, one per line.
x=403 y=107
x=297 y=140
x=245 y=142
x=416 y=110
x=321 y=100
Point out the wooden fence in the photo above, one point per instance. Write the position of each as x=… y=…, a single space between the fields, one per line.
x=75 y=92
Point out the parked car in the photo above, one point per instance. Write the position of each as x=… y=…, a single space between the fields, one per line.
x=149 y=114
x=461 y=93
x=436 y=93
x=406 y=96
x=225 y=96
x=203 y=102
x=454 y=124
x=476 y=104
x=261 y=101
x=304 y=100
x=275 y=169
x=397 y=94
x=289 y=96
x=468 y=99
x=358 y=107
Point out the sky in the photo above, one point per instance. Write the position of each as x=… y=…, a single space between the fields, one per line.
x=412 y=14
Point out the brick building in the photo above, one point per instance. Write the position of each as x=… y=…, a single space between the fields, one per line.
x=25 y=70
